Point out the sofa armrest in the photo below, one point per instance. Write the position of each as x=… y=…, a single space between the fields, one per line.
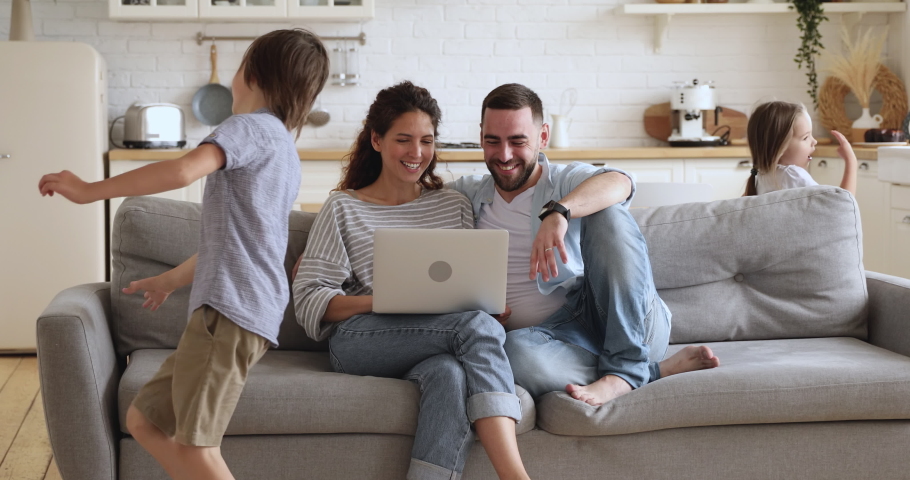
x=79 y=374
x=889 y=312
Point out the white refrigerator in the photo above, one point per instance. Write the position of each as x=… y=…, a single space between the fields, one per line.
x=53 y=116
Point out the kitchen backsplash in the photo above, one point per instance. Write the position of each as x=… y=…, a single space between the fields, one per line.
x=460 y=50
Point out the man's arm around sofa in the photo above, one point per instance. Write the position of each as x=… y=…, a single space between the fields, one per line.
x=889 y=312
x=79 y=377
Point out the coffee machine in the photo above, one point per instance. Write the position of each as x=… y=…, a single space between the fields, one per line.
x=688 y=102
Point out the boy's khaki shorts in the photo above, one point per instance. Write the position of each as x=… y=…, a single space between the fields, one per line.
x=194 y=393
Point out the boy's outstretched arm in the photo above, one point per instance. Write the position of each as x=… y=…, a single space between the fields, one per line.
x=148 y=180
x=157 y=289
x=846 y=152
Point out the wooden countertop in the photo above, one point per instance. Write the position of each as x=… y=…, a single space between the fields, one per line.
x=476 y=155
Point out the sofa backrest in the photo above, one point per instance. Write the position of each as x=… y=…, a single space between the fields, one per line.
x=786 y=264
x=152 y=235
x=782 y=265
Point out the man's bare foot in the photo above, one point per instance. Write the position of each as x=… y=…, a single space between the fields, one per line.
x=689 y=359
x=601 y=391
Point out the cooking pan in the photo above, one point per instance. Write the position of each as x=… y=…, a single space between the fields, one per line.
x=212 y=103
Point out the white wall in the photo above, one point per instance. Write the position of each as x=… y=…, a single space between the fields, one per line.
x=460 y=50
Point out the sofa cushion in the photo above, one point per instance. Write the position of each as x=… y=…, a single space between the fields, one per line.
x=152 y=235
x=291 y=392
x=770 y=381
x=786 y=264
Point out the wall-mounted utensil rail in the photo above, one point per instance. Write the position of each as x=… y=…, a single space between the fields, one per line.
x=362 y=38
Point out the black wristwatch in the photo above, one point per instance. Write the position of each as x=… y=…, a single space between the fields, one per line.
x=553 y=206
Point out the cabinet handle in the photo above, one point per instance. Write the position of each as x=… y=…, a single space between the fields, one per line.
x=864 y=166
x=906 y=219
x=823 y=164
x=744 y=164
x=3 y=155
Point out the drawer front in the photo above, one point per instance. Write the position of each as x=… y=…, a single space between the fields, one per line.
x=900 y=197
x=899 y=239
x=900 y=219
x=868 y=167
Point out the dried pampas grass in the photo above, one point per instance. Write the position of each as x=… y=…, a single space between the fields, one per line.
x=857 y=66
x=833 y=115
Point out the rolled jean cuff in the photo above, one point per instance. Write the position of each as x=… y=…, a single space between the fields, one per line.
x=654 y=368
x=420 y=470
x=494 y=404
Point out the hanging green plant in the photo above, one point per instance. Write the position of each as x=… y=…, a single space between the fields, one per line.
x=810 y=16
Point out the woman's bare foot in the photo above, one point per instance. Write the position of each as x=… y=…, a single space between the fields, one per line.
x=601 y=391
x=689 y=359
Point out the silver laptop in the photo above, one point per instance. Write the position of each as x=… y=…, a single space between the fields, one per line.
x=418 y=270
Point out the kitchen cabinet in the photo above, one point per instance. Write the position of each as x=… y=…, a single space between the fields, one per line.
x=727 y=175
x=339 y=10
x=898 y=242
x=872 y=196
x=827 y=170
x=651 y=170
x=153 y=9
x=242 y=10
x=318 y=179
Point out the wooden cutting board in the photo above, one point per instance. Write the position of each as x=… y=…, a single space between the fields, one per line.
x=659 y=123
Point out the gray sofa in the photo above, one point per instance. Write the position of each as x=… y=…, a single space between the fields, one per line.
x=814 y=379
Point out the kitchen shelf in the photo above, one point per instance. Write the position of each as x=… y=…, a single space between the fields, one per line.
x=663 y=12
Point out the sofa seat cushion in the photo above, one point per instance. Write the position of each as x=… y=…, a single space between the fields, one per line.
x=294 y=392
x=769 y=381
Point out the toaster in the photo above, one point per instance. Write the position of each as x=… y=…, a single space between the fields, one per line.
x=153 y=125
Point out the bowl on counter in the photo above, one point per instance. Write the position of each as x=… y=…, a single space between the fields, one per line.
x=885 y=135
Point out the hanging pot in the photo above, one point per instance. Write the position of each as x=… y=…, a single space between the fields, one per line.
x=212 y=103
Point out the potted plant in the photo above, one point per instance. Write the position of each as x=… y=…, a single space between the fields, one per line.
x=810 y=16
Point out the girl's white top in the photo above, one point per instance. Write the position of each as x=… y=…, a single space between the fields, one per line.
x=786 y=176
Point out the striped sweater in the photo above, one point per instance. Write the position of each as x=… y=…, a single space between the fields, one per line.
x=338 y=259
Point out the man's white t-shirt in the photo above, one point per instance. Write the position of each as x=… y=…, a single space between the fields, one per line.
x=529 y=306
x=786 y=176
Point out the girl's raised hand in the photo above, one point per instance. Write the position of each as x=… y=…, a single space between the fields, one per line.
x=843 y=148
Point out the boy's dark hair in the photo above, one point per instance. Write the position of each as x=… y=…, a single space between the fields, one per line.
x=364 y=164
x=769 y=131
x=290 y=67
x=513 y=96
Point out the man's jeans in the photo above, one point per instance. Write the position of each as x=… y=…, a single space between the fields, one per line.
x=613 y=324
x=457 y=361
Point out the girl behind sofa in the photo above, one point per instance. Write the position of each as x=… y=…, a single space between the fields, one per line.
x=781 y=143
x=457 y=360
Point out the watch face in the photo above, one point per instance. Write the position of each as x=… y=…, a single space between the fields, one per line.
x=547 y=207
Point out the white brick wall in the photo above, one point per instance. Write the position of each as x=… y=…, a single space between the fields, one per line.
x=460 y=50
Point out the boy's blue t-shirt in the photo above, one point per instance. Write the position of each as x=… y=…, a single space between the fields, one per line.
x=244 y=233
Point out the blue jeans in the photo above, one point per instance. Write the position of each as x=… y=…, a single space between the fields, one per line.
x=613 y=323
x=457 y=361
